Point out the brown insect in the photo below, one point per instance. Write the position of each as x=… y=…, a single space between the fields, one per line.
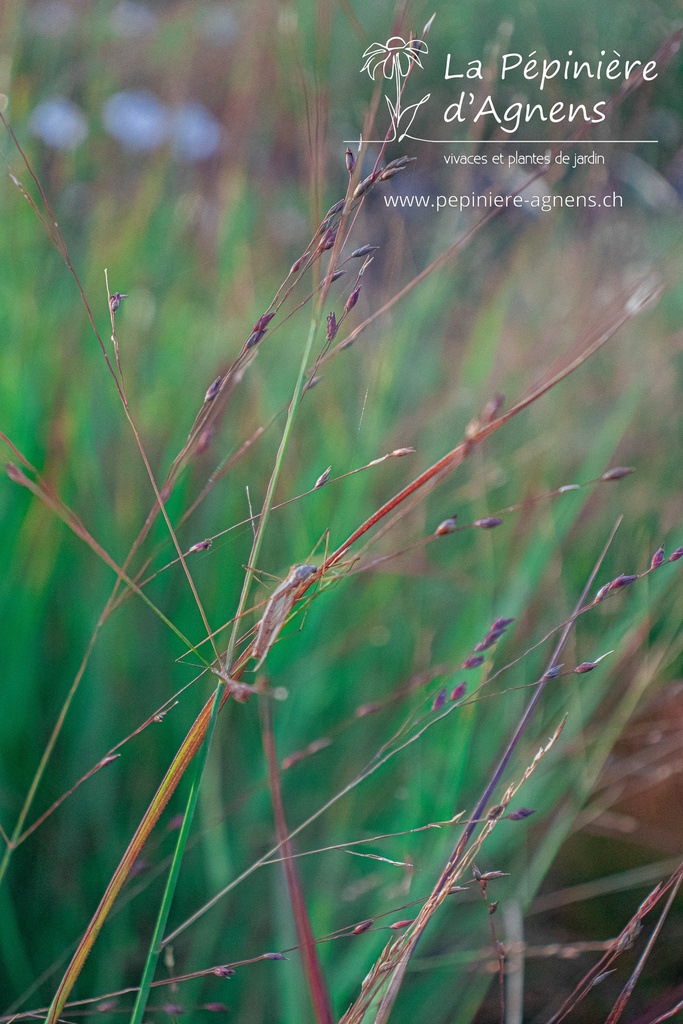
x=280 y=604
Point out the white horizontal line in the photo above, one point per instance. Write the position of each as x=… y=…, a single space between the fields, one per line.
x=524 y=142
x=552 y=142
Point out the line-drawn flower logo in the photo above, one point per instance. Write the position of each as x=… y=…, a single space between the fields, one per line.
x=396 y=58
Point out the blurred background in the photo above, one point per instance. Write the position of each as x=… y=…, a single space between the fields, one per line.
x=192 y=149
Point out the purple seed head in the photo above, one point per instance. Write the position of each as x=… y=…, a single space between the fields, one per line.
x=350 y=161
x=213 y=390
x=254 y=338
x=352 y=299
x=400 y=162
x=675 y=555
x=274 y=956
x=474 y=661
x=328 y=239
x=621 y=581
x=487 y=523
x=263 y=322
x=601 y=593
x=215 y=1007
x=115 y=301
x=439 y=700
x=333 y=210
x=585 y=666
x=484 y=644
x=363 y=186
x=297 y=265
x=323 y=478
x=617 y=473
x=552 y=673
x=364 y=250
x=459 y=691
x=657 y=558
x=519 y=815
x=223 y=971
x=447 y=526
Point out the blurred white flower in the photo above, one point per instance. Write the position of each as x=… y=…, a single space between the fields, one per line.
x=195 y=133
x=130 y=20
x=140 y=123
x=59 y=123
x=219 y=25
x=136 y=119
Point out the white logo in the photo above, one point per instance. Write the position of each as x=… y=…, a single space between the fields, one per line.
x=396 y=58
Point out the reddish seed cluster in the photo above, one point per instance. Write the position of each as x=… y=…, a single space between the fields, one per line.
x=258 y=330
x=494 y=634
x=328 y=240
x=446 y=527
x=363 y=927
x=398 y=453
x=622 y=581
x=392 y=168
